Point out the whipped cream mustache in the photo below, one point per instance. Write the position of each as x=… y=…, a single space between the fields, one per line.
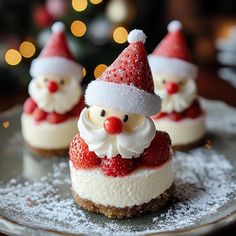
x=179 y=101
x=61 y=101
x=127 y=144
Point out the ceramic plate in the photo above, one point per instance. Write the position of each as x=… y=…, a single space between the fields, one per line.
x=35 y=195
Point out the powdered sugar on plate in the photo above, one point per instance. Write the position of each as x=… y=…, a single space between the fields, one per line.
x=219 y=116
x=204 y=183
x=36 y=192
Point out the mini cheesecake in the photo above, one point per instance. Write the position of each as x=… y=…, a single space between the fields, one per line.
x=144 y=190
x=120 y=165
x=142 y=186
x=186 y=129
x=55 y=97
x=49 y=134
x=174 y=75
x=46 y=138
x=185 y=134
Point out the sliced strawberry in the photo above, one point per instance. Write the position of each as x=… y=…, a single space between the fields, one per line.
x=194 y=110
x=159 y=115
x=175 y=116
x=29 y=106
x=39 y=115
x=159 y=151
x=117 y=166
x=56 y=118
x=78 y=107
x=80 y=155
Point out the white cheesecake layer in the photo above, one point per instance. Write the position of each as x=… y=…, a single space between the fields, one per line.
x=182 y=132
x=137 y=188
x=46 y=135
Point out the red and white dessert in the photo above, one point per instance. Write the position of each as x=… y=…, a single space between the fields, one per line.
x=173 y=72
x=51 y=112
x=120 y=165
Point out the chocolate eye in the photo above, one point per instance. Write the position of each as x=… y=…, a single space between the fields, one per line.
x=62 y=82
x=163 y=81
x=125 y=118
x=102 y=114
x=45 y=80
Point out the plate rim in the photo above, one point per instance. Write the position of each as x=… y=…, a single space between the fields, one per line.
x=201 y=229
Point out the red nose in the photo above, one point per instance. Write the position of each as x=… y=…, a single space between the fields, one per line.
x=113 y=125
x=171 y=87
x=52 y=86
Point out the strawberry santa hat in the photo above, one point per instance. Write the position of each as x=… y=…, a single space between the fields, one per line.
x=127 y=84
x=56 y=58
x=171 y=56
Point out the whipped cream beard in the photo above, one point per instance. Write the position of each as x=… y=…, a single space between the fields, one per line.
x=178 y=101
x=127 y=143
x=62 y=100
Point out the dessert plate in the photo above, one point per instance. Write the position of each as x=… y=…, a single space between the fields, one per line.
x=35 y=195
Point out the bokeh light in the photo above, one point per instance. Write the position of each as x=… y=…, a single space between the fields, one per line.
x=120 y=35
x=96 y=1
x=78 y=28
x=27 y=49
x=117 y=11
x=6 y=124
x=12 y=57
x=79 y=5
x=84 y=72
x=99 y=70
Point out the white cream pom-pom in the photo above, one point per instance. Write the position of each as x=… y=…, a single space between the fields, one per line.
x=58 y=27
x=174 y=25
x=136 y=36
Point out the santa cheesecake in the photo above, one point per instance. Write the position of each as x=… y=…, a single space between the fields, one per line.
x=51 y=112
x=120 y=165
x=173 y=72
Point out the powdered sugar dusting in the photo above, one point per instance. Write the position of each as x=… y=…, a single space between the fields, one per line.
x=203 y=184
x=219 y=116
x=201 y=190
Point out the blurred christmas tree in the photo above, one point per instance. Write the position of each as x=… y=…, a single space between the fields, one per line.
x=96 y=30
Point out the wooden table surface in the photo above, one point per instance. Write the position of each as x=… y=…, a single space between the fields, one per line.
x=209 y=86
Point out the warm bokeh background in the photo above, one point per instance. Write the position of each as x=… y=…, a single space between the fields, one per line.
x=97 y=31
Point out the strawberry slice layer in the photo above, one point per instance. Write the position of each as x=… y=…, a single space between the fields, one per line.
x=80 y=155
x=29 y=106
x=159 y=150
x=56 y=118
x=39 y=115
x=157 y=154
x=192 y=112
x=117 y=166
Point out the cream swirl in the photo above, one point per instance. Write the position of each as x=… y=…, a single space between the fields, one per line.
x=61 y=101
x=127 y=144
